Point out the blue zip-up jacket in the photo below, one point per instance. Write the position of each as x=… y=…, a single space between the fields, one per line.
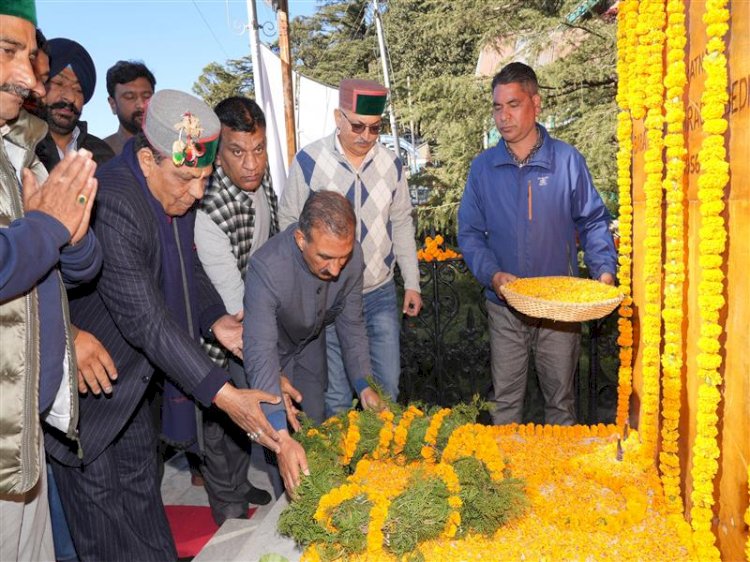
x=527 y=220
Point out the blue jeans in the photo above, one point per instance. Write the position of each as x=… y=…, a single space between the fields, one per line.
x=64 y=549
x=383 y=332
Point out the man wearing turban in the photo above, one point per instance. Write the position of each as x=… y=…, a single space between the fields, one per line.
x=70 y=87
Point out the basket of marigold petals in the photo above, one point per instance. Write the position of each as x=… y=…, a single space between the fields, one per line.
x=567 y=299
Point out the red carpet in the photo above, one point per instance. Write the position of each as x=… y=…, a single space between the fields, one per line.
x=192 y=527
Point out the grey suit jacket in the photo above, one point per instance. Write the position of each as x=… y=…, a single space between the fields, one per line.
x=286 y=310
x=125 y=310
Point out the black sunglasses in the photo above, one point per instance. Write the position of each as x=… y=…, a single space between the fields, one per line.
x=360 y=127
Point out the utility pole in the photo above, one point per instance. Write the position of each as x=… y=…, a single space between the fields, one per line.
x=255 y=51
x=412 y=155
x=386 y=75
x=282 y=15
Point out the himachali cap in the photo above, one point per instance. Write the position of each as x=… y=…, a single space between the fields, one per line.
x=364 y=97
x=182 y=127
x=66 y=52
x=24 y=9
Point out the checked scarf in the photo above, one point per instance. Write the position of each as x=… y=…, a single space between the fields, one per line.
x=233 y=212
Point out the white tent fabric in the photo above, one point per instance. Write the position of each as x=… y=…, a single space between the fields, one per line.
x=314 y=105
x=268 y=80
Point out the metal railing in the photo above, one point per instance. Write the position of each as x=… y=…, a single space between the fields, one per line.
x=445 y=354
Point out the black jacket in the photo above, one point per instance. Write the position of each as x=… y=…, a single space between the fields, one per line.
x=46 y=150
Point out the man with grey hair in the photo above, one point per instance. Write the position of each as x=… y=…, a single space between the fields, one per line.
x=301 y=281
x=352 y=162
x=150 y=305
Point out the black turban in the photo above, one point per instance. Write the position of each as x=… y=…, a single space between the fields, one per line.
x=65 y=52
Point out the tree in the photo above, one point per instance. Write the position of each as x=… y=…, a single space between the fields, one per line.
x=217 y=82
x=436 y=44
x=437 y=47
x=336 y=42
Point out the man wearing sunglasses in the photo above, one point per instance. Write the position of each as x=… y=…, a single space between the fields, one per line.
x=352 y=162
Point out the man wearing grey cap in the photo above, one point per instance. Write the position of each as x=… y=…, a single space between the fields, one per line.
x=150 y=305
x=353 y=163
x=72 y=79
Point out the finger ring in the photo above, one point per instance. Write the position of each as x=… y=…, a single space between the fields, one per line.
x=82 y=199
x=253 y=436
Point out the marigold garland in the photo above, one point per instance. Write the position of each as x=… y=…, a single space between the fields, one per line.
x=674 y=266
x=385 y=436
x=475 y=440
x=449 y=477
x=352 y=438
x=713 y=178
x=651 y=20
x=333 y=499
x=626 y=44
x=402 y=429
x=430 y=438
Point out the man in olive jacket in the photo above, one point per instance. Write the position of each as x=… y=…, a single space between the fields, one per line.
x=44 y=242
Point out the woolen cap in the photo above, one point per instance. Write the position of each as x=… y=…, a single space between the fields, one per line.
x=66 y=52
x=24 y=9
x=364 y=97
x=182 y=127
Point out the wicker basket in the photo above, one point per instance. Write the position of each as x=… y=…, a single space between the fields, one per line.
x=559 y=310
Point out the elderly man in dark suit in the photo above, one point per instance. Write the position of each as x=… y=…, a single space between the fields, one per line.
x=149 y=307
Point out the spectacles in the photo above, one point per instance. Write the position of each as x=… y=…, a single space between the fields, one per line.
x=360 y=127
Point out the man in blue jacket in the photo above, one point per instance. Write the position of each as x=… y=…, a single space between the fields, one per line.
x=526 y=204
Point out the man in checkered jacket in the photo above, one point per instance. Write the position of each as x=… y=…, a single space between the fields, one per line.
x=237 y=215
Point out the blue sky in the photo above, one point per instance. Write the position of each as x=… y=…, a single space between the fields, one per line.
x=175 y=38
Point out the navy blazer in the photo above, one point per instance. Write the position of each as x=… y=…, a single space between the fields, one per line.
x=127 y=313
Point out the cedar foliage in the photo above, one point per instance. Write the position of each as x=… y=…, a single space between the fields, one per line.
x=436 y=44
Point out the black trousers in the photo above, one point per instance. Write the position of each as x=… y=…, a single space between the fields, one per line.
x=113 y=504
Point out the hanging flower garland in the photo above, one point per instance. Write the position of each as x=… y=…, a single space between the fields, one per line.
x=626 y=41
x=674 y=267
x=714 y=176
x=651 y=19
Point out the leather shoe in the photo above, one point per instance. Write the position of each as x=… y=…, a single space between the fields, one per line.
x=257 y=496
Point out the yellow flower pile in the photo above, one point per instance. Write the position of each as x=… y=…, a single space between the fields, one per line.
x=433 y=250
x=564 y=289
x=585 y=503
x=380 y=495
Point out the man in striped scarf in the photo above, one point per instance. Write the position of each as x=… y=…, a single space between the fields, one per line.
x=236 y=216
